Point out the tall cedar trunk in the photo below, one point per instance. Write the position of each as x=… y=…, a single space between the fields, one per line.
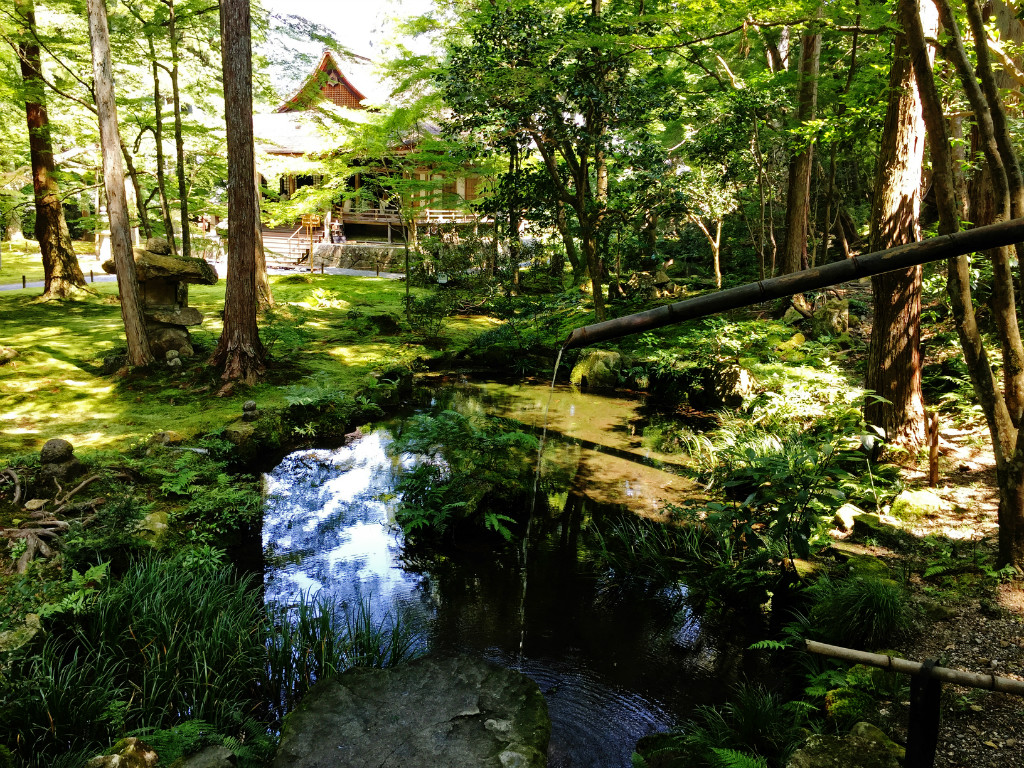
x=113 y=179
x=798 y=199
x=158 y=136
x=239 y=351
x=179 y=142
x=1009 y=453
x=894 y=359
x=1008 y=188
x=61 y=271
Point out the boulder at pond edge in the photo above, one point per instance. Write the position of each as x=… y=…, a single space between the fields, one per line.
x=429 y=713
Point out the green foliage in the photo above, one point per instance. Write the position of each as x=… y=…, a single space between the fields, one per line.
x=638 y=549
x=253 y=746
x=82 y=590
x=216 y=503
x=786 y=486
x=754 y=729
x=110 y=534
x=166 y=643
x=429 y=313
x=949 y=560
x=318 y=389
x=467 y=470
x=860 y=612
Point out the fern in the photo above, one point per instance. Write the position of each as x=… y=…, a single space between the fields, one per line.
x=731 y=758
x=772 y=645
x=938 y=569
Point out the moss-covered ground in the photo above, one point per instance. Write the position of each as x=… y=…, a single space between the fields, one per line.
x=21 y=259
x=67 y=381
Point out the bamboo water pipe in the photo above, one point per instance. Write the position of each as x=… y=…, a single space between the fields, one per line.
x=900 y=257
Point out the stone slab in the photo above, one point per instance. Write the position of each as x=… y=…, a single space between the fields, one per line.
x=430 y=713
x=175 y=316
x=150 y=266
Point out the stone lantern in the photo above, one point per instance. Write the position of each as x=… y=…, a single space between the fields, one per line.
x=163 y=290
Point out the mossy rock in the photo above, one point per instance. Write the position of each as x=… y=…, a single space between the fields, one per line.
x=866 y=746
x=843 y=519
x=870 y=527
x=153 y=528
x=935 y=610
x=796 y=340
x=859 y=561
x=868 y=567
x=807 y=570
x=597 y=369
x=13 y=639
x=848 y=705
x=255 y=440
x=127 y=753
x=913 y=505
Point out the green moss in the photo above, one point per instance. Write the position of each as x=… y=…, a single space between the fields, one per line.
x=60 y=386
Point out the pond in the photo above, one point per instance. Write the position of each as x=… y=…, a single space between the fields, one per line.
x=614 y=665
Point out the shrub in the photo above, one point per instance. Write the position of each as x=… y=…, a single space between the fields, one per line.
x=862 y=611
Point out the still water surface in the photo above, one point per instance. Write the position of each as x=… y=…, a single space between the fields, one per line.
x=613 y=665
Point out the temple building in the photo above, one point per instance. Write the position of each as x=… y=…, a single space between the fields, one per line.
x=291 y=141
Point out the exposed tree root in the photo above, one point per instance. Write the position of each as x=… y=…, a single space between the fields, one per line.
x=10 y=473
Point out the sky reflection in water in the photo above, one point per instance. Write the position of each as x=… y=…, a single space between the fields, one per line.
x=612 y=669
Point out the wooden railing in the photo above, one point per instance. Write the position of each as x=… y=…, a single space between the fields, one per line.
x=394 y=216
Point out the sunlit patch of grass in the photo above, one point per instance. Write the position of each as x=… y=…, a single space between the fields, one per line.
x=17 y=259
x=56 y=386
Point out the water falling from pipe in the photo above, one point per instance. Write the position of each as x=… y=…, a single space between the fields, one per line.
x=524 y=544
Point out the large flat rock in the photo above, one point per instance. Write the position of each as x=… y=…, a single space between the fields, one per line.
x=157 y=266
x=431 y=713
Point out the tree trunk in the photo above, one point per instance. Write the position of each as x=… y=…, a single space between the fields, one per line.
x=113 y=178
x=798 y=199
x=894 y=358
x=1009 y=452
x=239 y=352
x=61 y=271
x=140 y=200
x=588 y=236
x=179 y=142
x=514 y=213
x=265 y=297
x=562 y=222
x=158 y=136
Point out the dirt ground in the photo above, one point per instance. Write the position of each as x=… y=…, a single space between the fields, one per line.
x=979 y=629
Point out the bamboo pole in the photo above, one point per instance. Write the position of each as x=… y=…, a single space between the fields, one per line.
x=904 y=666
x=901 y=257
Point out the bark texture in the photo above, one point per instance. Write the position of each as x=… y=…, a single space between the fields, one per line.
x=62 y=274
x=113 y=180
x=179 y=142
x=1009 y=453
x=894 y=360
x=798 y=199
x=239 y=353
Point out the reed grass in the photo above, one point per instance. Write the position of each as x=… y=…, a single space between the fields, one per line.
x=312 y=641
x=182 y=641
